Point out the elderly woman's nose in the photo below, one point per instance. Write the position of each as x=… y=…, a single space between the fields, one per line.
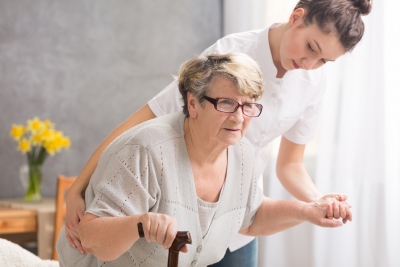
x=238 y=115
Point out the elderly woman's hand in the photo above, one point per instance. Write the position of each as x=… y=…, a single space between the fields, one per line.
x=339 y=207
x=316 y=213
x=161 y=229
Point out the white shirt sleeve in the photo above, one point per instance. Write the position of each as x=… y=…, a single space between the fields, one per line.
x=303 y=131
x=170 y=100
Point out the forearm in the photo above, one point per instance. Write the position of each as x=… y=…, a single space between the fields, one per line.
x=108 y=238
x=296 y=180
x=83 y=178
x=275 y=216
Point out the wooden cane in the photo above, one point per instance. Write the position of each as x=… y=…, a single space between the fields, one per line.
x=182 y=238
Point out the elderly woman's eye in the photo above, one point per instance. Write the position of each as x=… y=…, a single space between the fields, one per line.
x=309 y=47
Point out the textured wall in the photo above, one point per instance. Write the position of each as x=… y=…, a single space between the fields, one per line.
x=88 y=65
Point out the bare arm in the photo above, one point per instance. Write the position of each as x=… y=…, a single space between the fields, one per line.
x=75 y=202
x=296 y=180
x=278 y=215
x=292 y=174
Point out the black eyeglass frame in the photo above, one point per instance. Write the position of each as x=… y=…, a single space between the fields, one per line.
x=214 y=101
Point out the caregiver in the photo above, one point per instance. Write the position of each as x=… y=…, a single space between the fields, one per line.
x=290 y=56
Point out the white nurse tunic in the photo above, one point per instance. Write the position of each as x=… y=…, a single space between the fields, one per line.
x=290 y=104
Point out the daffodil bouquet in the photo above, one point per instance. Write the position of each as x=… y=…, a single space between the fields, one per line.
x=38 y=139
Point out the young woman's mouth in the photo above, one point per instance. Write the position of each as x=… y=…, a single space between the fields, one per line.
x=295 y=65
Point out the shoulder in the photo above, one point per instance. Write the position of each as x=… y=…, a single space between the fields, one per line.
x=150 y=133
x=237 y=42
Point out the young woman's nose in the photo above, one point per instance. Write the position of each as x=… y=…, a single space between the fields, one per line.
x=309 y=62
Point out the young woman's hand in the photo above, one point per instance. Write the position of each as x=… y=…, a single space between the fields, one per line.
x=75 y=212
x=316 y=213
x=339 y=208
x=161 y=229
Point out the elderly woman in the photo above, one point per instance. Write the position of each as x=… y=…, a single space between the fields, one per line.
x=191 y=170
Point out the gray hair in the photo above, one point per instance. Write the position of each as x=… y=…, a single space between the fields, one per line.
x=196 y=74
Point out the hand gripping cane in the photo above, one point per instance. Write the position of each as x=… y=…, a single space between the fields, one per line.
x=182 y=238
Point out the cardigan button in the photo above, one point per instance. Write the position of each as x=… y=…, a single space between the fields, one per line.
x=194 y=263
x=199 y=249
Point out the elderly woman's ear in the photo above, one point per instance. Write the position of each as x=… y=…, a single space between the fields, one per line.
x=193 y=105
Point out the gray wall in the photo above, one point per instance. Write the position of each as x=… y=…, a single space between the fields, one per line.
x=87 y=66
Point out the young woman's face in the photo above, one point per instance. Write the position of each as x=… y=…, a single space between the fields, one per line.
x=307 y=47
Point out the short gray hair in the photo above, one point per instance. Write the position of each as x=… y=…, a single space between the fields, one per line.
x=196 y=74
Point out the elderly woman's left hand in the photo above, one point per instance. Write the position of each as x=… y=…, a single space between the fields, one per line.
x=338 y=207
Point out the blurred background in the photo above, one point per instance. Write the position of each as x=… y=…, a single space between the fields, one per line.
x=88 y=65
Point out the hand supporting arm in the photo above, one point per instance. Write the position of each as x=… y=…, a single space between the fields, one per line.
x=294 y=177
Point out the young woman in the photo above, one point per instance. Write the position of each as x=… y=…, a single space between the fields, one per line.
x=290 y=56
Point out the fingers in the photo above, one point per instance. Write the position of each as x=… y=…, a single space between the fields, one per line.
x=342 y=211
x=329 y=214
x=171 y=234
x=159 y=228
x=184 y=249
x=330 y=223
x=336 y=213
x=77 y=243
x=153 y=230
x=70 y=240
x=71 y=231
x=146 y=222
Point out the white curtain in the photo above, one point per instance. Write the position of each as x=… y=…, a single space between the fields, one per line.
x=358 y=154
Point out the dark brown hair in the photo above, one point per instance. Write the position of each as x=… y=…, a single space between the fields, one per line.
x=339 y=17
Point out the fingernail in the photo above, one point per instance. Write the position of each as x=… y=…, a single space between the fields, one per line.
x=73 y=245
x=339 y=224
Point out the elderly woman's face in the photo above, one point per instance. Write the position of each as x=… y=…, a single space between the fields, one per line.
x=227 y=128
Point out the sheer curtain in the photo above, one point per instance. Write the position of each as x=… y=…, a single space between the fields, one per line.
x=356 y=150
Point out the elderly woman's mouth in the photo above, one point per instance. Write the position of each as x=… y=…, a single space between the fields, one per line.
x=232 y=131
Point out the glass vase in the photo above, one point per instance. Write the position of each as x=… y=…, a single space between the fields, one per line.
x=33 y=186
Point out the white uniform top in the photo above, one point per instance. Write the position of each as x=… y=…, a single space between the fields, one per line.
x=290 y=104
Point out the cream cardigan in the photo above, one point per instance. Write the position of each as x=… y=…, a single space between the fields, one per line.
x=148 y=169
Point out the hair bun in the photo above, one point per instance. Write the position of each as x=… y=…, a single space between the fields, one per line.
x=364 y=6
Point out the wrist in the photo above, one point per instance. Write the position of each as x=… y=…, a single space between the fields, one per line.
x=314 y=198
x=304 y=208
x=74 y=192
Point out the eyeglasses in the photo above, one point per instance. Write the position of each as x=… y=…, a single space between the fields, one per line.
x=228 y=105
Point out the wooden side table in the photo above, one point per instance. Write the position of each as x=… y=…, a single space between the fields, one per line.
x=17 y=216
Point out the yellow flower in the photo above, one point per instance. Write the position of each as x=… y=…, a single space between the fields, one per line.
x=47 y=134
x=66 y=143
x=17 y=132
x=24 y=145
x=36 y=139
x=50 y=147
x=49 y=124
x=35 y=125
x=58 y=142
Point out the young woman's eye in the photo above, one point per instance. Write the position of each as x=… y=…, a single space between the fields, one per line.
x=309 y=47
x=323 y=60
